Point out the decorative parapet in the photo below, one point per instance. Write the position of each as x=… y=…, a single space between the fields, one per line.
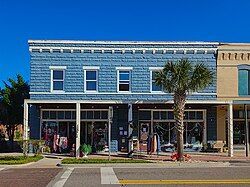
x=234 y=51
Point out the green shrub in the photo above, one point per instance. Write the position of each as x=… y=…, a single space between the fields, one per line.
x=86 y=149
x=11 y=160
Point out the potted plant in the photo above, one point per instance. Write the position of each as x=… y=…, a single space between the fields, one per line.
x=86 y=149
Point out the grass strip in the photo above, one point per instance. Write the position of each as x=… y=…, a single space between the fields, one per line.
x=12 y=160
x=100 y=161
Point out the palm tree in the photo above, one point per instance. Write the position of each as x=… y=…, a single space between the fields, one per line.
x=181 y=79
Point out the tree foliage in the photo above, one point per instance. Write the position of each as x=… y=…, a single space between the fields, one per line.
x=11 y=103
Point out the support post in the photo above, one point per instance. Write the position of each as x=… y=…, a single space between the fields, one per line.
x=247 y=132
x=130 y=130
x=78 y=126
x=25 y=127
x=230 y=130
x=110 y=117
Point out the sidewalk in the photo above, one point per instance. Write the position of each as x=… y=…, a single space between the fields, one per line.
x=195 y=157
x=164 y=159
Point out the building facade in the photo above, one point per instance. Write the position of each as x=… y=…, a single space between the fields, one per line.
x=233 y=65
x=79 y=88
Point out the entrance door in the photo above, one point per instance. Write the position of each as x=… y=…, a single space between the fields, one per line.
x=86 y=133
x=95 y=133
x=68 y=130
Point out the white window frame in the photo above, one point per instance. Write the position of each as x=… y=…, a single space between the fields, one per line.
x=57 y=68
x=151 y=69
x=118 y=69
x=90 y=68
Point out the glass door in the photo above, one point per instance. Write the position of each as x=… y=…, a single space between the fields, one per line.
x=86 y=133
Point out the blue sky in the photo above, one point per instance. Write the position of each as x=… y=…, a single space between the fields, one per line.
x=161 y=20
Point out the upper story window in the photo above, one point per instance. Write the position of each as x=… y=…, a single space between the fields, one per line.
x=90 y=78
x=57 y=78
x=243 y=80
x=153 y=86
x=124 y=79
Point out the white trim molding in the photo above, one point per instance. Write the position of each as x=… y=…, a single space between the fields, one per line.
x=57 y=67
x=129 y=69
x=90 y=68
x=151 y=78
x=124 y=68
x=33 y=101
x=155 y=68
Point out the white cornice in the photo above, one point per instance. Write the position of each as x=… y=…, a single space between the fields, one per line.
x=92 y=49
x=121 y=42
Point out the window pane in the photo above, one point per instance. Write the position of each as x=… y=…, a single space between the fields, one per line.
x=60 y=114
x=154 y=74
x=97 y=114
x=90 y=114
x=58 y=74
x=170 y=115
x=67 y=114
x=123 y=87
x=163 y=115
x=241 y=114
x=45 y=114
x=104 y=115
x=156 y=115
x=144 y=115
x=191 y=115
x=156 y=87
x=73 y=115
x=199 y=115
x=83 y=114
x=90 y=75
x=58 y=85
x=52 y=114
x=124 y=75
x=185 y=115
x=243 y=82
x=91 y=85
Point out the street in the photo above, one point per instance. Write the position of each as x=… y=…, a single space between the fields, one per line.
x=128 y=175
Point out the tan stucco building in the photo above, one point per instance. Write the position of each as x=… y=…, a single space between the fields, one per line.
x=233 y=67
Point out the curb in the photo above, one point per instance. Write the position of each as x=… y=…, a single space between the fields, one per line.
x=151 y=165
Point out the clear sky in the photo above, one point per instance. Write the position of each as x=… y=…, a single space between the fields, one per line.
x=157 y=20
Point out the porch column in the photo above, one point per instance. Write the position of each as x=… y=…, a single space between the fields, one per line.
x=130 y=130
x=25 y=120
x=230 y=130
x=78 y=125
x=246 y=131
x=110 y=118
x=25 y=126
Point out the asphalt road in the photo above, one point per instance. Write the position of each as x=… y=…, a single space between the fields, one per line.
x=235 y=175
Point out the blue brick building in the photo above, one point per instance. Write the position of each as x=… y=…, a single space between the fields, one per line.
x=78 y=87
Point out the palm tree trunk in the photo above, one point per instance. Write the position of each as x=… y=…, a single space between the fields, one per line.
x=179 y=107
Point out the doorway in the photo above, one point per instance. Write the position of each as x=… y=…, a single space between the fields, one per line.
x=94 y=133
